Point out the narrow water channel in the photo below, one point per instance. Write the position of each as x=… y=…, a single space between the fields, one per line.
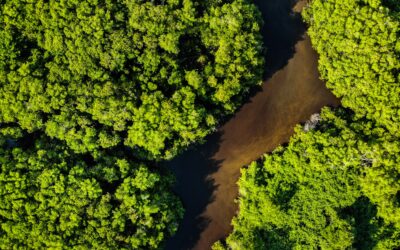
x=207 y=174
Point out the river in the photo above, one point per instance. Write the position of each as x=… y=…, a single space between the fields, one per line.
x=292 y=91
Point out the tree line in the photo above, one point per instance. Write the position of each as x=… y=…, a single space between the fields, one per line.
x=336 y=184
x=332 y=187
x=151 y=75
x=93 y=93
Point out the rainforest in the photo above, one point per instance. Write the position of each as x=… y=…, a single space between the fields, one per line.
x=188 y=124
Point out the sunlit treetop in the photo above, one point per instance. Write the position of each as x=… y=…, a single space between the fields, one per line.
x=152 y=75
x=359 y=46
x=332 y=187
x=51 y=198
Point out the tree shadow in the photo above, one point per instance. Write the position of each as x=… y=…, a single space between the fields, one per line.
x=282 y=29
x=362 y=216
x=195 y=189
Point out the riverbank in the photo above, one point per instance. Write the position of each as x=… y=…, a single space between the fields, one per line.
x=207 y=175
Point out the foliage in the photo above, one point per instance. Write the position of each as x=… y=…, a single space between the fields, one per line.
x=359 y=46
x=154 y=75
x=337 y=184
x=51 y=198
x=330 y=188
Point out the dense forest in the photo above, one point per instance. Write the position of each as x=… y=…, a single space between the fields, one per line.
x=93 y=93
x=336 y=185
x=332 y=187
x=359 y=47
x=52 y=198
x=152 y=75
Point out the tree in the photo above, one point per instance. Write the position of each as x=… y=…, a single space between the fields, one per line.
x=359 y=48
x=52 y=198
x=330 y=188
x=336 y=184
x=153 y=75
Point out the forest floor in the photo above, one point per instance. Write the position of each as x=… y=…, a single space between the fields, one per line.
x=292 y=92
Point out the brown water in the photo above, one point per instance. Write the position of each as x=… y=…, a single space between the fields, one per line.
x=207 y=175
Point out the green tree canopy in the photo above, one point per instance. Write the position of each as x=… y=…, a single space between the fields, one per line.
x=337 y=183
x=154 y=75
x=330 y=188
x=359 y=46
x=51 y=198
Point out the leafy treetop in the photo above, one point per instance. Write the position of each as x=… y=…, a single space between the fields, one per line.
x=53 y=198
x=154 y=75
x=359 y=46
x=330 y=188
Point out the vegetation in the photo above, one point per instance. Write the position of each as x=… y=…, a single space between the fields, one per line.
x=336 y=185
x=53 y=198
x=359 y=46
x=89 y=90
x=154 y=75
x=330 y=188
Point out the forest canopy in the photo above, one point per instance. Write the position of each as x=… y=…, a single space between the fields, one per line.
x=92 y=93
x=358 y=42
x=332 y=187
x=52 y=198
x=152 y=75
x=336 y=185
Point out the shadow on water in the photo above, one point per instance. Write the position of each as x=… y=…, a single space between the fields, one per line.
x=191 y=170
x=281 y=31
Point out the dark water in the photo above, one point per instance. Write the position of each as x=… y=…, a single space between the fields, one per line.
x=207 y=174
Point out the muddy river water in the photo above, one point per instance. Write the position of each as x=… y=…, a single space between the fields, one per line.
x=292 y=91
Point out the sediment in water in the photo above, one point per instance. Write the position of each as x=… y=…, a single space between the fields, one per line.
x=207 y=174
